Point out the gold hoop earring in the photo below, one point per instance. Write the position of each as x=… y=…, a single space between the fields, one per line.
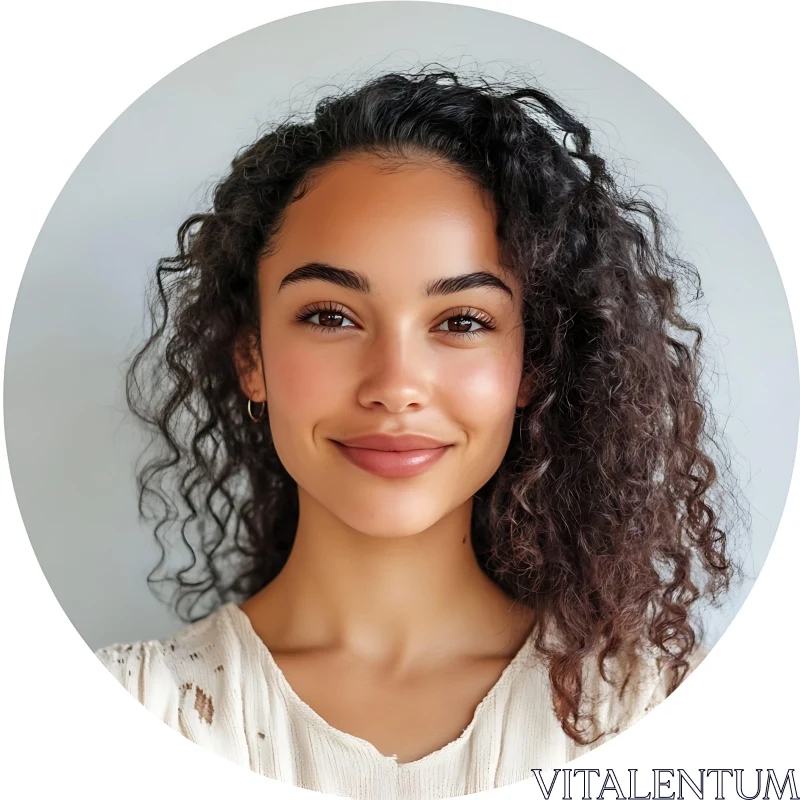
x=250 y=411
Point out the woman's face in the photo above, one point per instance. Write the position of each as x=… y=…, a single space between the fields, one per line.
x=368 y=326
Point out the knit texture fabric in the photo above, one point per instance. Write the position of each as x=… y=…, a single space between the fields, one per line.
x=216 y=683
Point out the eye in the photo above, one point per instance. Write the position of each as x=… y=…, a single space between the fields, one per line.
x=461 y=324
x=324 y=317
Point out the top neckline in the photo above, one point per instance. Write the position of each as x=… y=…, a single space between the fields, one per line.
x=245 y=627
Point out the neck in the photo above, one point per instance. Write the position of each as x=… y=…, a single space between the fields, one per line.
x=385 y=597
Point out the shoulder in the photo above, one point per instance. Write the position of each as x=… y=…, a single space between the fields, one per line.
x=159 y=673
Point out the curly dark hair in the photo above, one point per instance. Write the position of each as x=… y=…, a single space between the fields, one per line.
x=601 y=516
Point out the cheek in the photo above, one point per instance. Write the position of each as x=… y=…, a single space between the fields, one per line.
x=481 y=392
x=303 y=384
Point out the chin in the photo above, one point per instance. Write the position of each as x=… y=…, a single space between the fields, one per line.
x=382 y=526
x=386 y=520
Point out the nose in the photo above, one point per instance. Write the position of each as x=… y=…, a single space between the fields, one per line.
x=396 y=373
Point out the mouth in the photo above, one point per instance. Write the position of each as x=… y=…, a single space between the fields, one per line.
x=392 y=463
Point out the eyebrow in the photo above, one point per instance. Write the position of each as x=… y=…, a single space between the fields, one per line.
x=357 y=281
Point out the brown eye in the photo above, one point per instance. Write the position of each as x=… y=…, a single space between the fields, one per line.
x=330 y=319
x=460 y=324
x=324 y=318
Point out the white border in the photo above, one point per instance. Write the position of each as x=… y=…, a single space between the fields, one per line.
x=70 y=69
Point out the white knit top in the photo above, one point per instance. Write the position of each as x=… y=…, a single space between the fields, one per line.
x=216 y=682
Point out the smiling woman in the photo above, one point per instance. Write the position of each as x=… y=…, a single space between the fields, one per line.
x=428 y=413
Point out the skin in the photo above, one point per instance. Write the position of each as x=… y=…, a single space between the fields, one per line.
x=382 y=620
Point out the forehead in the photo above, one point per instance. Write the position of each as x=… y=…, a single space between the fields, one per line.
x=398 y=223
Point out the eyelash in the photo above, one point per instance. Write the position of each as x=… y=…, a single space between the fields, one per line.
x=304 y=316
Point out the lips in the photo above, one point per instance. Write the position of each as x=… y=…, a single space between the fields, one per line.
x=383 y=441
x=393 y=456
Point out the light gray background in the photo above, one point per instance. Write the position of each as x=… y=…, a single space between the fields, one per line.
x=72 y=444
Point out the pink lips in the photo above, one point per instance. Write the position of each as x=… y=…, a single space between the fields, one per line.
x=393 y=456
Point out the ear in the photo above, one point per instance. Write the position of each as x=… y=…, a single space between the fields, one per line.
x=249 y=368
x=525 y=391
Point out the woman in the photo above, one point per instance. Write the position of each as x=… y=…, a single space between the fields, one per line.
x=431 y=413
